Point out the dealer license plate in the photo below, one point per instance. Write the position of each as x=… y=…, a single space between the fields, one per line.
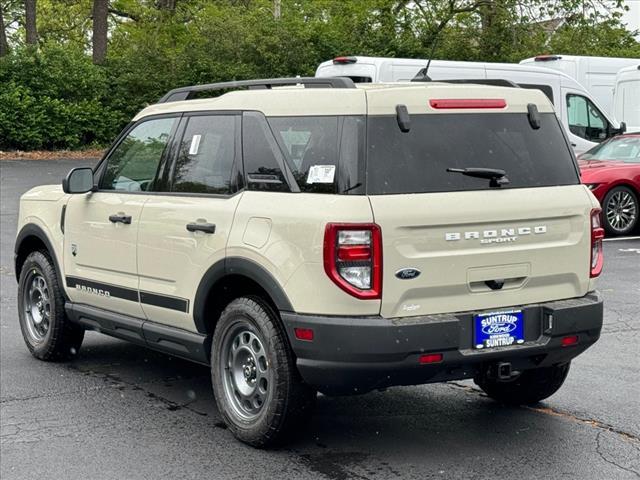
x=498 y=329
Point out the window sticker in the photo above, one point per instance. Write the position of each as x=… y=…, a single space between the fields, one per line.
x=321 y=174
x=195 y=144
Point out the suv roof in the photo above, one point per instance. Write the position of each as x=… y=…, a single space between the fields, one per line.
x=382 y=98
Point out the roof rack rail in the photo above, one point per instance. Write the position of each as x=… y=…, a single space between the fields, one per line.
x=497 y=82
x=187 y=93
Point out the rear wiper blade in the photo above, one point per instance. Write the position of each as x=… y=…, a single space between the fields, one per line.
x=496 y=176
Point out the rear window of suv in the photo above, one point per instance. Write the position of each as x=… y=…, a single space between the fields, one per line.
x=417 y=161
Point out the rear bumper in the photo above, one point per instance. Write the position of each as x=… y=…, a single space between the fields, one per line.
x=356 y=354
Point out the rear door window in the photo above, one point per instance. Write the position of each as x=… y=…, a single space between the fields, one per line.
x=417 y=161
x=206 y=155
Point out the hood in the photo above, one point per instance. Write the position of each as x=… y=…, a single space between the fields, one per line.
x=591 y=164
x=47 y=193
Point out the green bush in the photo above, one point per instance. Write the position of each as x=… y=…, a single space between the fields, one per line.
x=54 y=98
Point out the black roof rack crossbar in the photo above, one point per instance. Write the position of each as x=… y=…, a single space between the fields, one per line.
x=187 y=93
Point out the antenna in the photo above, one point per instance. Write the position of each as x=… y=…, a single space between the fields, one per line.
x=433 y=49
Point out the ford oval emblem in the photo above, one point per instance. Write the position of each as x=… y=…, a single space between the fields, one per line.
x=407 y=273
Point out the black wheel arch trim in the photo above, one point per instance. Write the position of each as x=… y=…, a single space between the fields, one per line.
x=33 y=230
x=236 y=266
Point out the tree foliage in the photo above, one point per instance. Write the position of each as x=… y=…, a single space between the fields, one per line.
x=53 y=96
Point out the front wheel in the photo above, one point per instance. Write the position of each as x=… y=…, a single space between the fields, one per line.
x=258 y=390
x=46 y=330
x=621 y=211
x=528 y=388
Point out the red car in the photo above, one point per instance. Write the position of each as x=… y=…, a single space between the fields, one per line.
x=611 y=170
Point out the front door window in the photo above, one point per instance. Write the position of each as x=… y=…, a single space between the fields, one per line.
x=585 y=120
x=133 y=165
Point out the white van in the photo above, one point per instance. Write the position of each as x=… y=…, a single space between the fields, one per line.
x=584 y=119
x=626 y=97
x=596 y=74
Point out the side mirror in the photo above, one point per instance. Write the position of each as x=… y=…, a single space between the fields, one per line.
x=78 y=180
x=623 y=127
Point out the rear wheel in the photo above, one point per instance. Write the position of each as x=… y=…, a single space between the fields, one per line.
x=528 y=388
x=258 y=390
x=621 y=210
x=46 y=330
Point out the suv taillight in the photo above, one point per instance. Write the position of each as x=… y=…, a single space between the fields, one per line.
x=353 y=258
x=597 y=234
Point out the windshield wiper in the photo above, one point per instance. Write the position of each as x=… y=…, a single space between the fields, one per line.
x=496 y=176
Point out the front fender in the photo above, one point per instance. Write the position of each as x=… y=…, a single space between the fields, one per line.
x=29 y=231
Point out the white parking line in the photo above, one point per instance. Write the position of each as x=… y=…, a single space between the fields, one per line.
x=619 y=239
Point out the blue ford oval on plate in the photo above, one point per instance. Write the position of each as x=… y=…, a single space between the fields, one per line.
x=498 y=329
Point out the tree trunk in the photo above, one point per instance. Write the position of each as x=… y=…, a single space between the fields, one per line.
x=4 y=46
x=30 y=22
x=277 y=9
x=167 y=5
x=100 y=30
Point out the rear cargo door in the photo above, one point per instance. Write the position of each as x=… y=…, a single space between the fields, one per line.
x=454 y=243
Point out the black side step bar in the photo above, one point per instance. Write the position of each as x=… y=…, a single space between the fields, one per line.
x=187 y=93
x=173 y=341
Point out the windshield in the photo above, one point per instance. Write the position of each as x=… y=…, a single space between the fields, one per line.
x=623 y=149
x=417 y=161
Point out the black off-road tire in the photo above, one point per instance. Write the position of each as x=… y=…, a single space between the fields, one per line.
x=62 y=339
x=290 y=401
x=528 y=388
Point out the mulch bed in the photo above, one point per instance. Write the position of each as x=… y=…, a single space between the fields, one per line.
x=51 y=155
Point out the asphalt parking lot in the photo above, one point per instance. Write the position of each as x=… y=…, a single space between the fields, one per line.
x=121 y=411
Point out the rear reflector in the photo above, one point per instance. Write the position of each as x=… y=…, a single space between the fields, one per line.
x=568 y=341
x=597 y=234
x=442 y=103
x=344 y=60
x=305 y=334
x=430 y=358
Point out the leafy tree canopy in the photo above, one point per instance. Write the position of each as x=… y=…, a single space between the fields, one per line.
x=52 y=96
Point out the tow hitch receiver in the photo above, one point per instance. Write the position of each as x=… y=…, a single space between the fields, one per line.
x=503 y=372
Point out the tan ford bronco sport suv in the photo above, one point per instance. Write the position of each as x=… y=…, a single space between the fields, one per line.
x=303 y=235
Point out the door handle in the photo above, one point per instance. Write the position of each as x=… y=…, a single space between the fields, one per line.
x=573 y=144
x=118 y=218
x=201 y=227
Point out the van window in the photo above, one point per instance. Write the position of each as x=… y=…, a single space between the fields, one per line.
x=417 y=161
x=585 y=120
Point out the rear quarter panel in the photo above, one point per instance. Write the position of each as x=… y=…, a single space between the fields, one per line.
x=284 y=233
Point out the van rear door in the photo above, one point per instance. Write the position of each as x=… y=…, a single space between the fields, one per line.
x=476 y=246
